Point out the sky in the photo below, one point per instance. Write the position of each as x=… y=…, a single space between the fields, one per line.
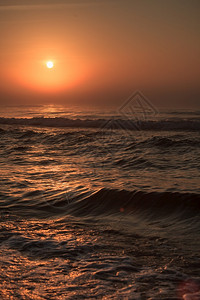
x=102 y=51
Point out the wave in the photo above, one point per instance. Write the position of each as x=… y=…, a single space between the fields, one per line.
x=168 y=142
x=182 y=112
x=125 y=124
x=27 y=135
x=107 y=202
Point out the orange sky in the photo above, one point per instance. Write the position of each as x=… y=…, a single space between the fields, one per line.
x=102 y=50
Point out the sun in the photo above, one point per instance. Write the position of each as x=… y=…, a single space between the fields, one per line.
x=49 y=64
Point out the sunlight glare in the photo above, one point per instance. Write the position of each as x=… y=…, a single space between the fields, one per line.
x=50 y=64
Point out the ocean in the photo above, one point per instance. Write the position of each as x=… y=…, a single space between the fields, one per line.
x=99 y=204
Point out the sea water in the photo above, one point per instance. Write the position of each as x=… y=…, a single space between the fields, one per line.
x=99 y=204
